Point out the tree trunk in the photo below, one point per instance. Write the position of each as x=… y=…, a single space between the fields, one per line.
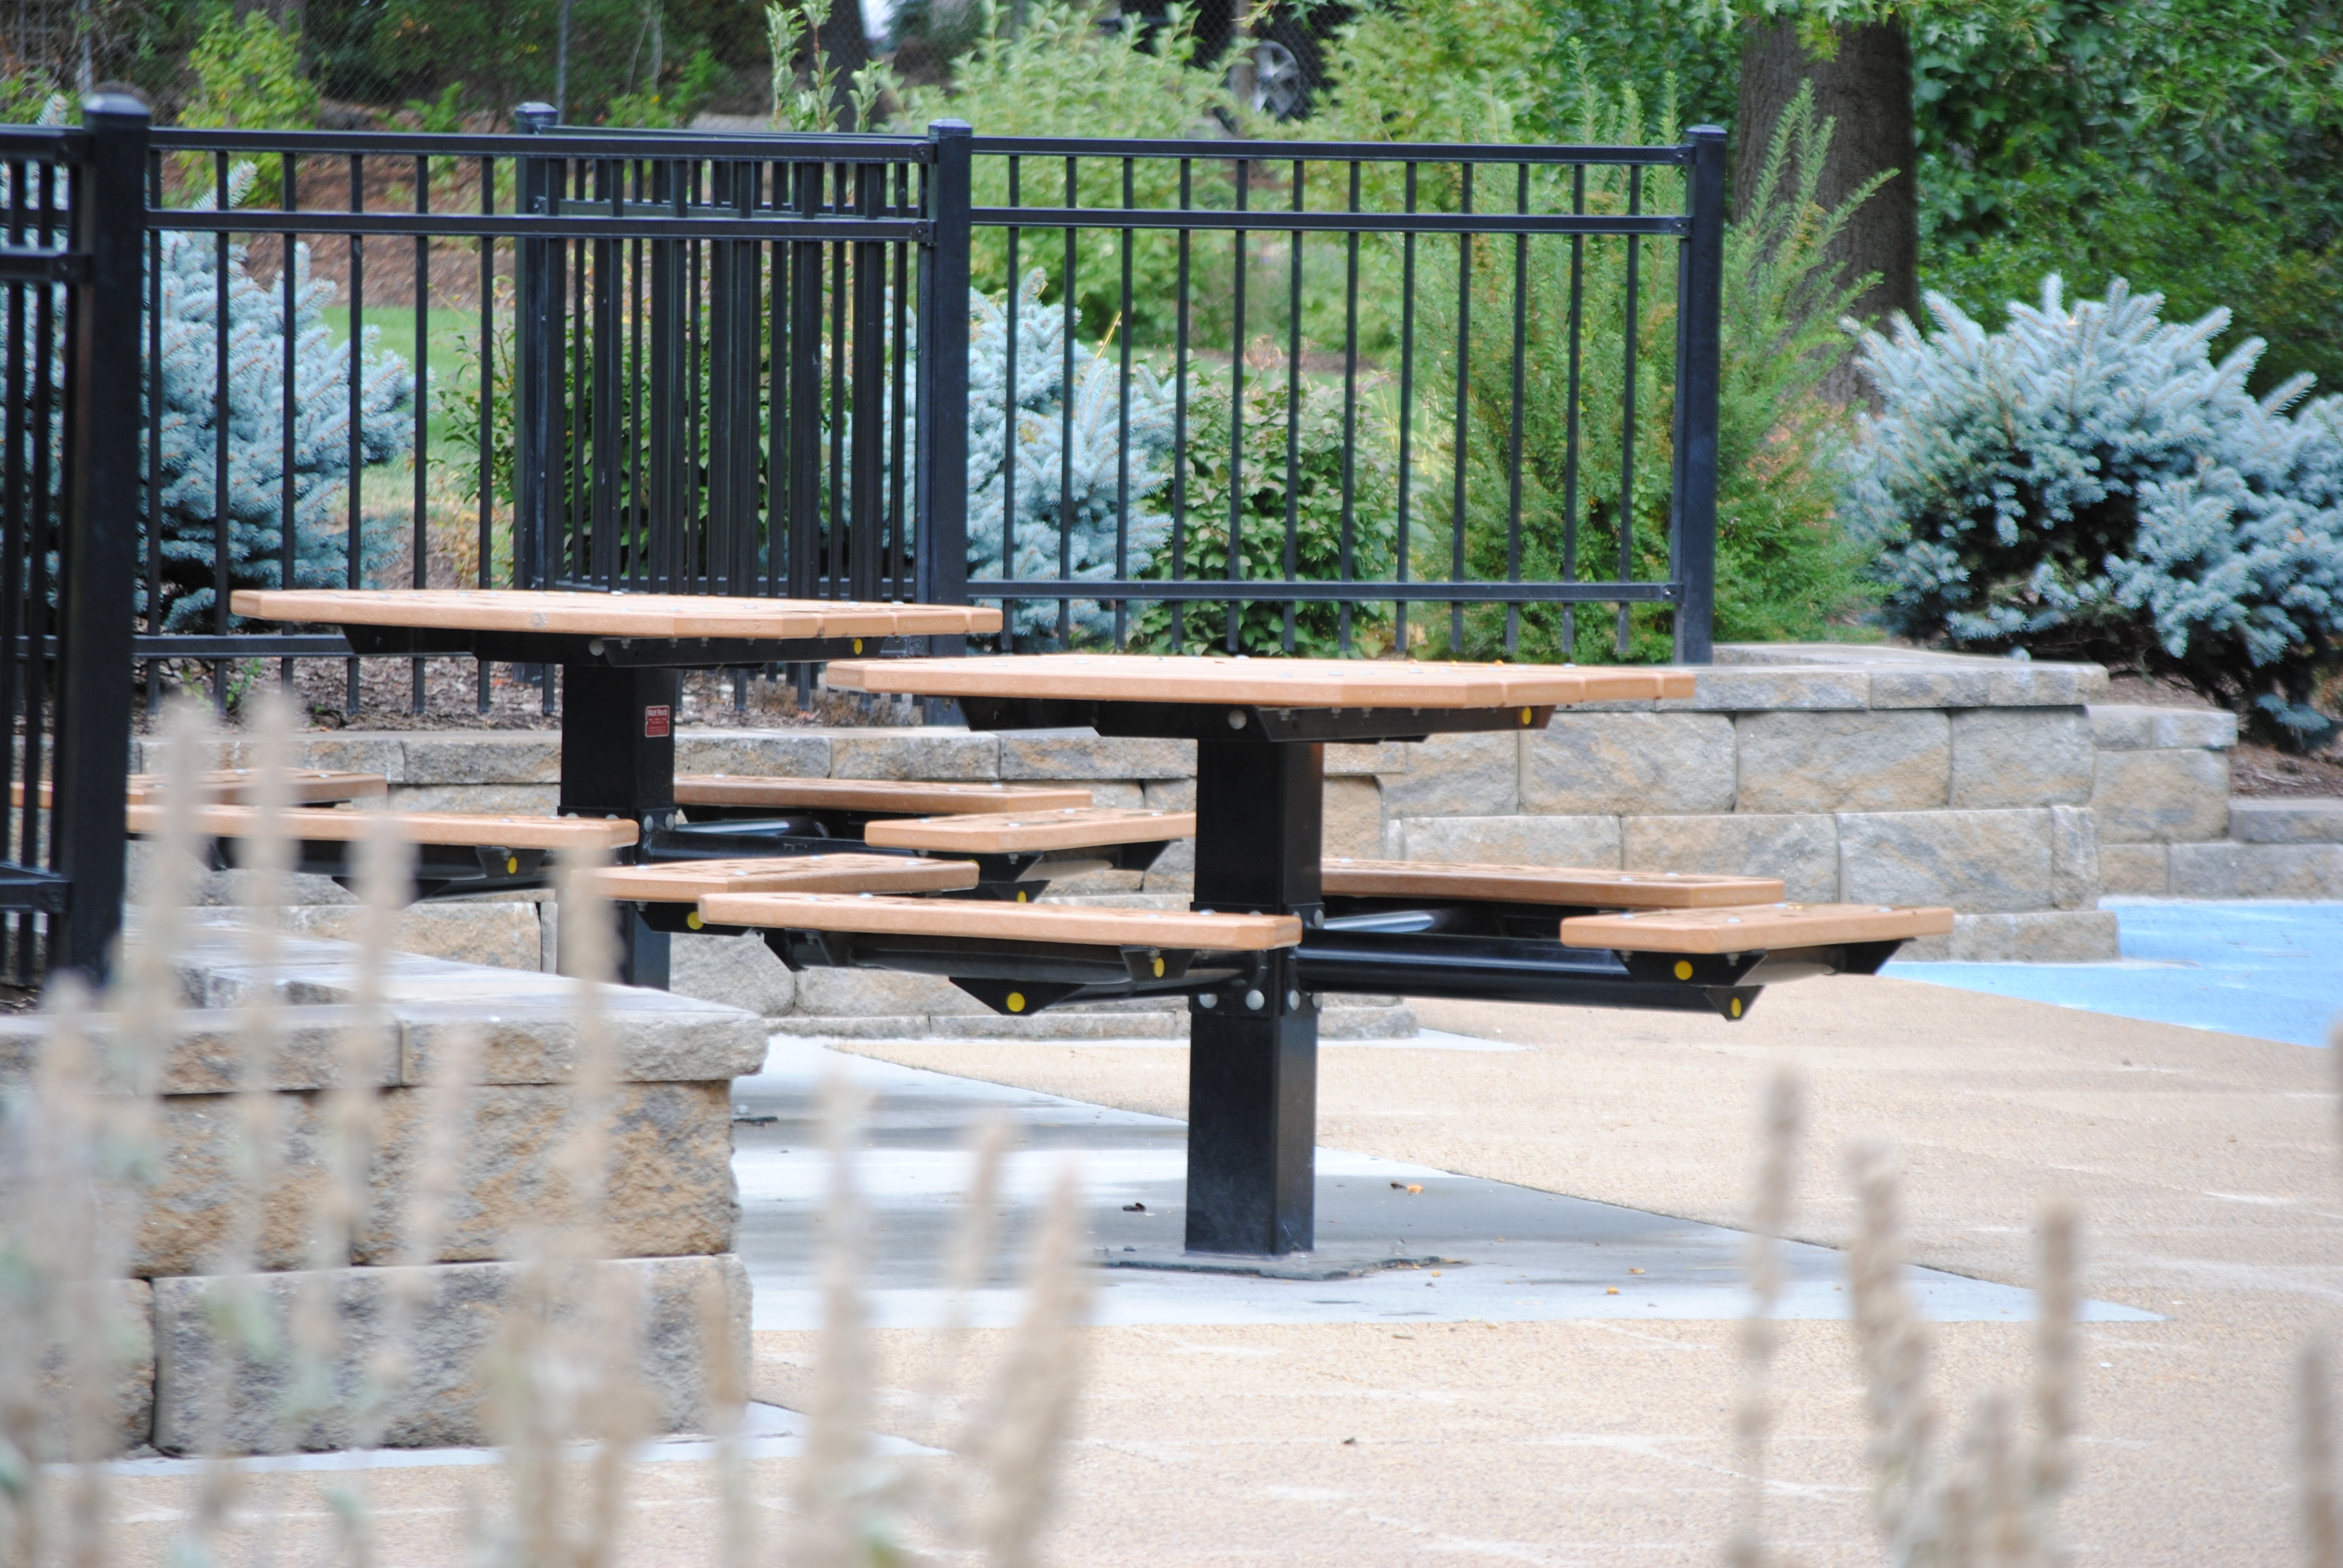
x=848 y=48
x=1865 y=87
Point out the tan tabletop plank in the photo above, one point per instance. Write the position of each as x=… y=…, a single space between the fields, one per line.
x=985 y=834
x=415 y=827
x=976 y=918
x=1545 y=885
x=606 y=614
x=1258 y=683
x=688 y=881
x=1752 y=928
x=906 y=796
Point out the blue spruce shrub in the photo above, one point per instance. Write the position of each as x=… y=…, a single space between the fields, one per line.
x=320 y=457
x=2088 y=483
x=1042 y=398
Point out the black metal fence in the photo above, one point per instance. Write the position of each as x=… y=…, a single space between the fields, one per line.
x=1428 y=378
x=668 y=363
x=69 y=272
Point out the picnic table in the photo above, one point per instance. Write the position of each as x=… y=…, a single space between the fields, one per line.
x=621 y=657
x=1260 y=728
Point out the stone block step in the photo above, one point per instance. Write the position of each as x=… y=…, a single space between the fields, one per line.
x=2301 y=820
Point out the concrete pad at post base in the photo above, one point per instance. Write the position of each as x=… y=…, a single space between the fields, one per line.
x=1398 y=1243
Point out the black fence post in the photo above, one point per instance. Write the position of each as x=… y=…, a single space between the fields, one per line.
x=538 y=423
x=99 y=559
x=1700 y=367
x=942 y=467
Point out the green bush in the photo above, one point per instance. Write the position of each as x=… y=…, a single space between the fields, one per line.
x=1783 y=569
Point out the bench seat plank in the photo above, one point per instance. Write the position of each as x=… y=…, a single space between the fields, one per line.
x=911 y=797
x=1752 y=928
x=688 y=881
x=984 y=834
x=1360 y=683
x=233 y=785
x=313 y=824
x=1543 y=885
x=656 y=616
x=978 y=920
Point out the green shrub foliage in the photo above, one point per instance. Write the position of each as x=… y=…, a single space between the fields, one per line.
x=1060 y=476
x=2088 y=482
x=187 y=377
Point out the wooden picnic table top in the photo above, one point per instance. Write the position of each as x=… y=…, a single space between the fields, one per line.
x=1313 y=683
x=621 y=615
x=316 y=824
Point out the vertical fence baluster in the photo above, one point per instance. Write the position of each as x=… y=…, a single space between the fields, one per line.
x=1514 y=433
x=220 y=556
x=1570 y=416
x=289 y=400
x=353 y=546
x=1236 y=572
x=1406 y=407
x=15 y=611
x=943 y=371
x=1009 y=427
x=1627 y=411
x=488 y=344
x=1459 y=452
x=1180 y=419
x=1349 y=566
x=153 y=511
x=898 y=586
x=1293 y=409
x=869 y=429
x=1068 y=325
x=1698 y=376
x=1123 y=427
x=419 y=545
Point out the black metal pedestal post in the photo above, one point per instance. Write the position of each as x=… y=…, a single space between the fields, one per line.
x=618 y=759
x=1252 y=1061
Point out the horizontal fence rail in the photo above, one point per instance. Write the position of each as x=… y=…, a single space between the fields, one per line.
x=556 y=359
x=1272 y=396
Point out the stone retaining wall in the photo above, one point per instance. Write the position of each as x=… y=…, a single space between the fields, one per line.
x=671 y=1206
x=2010 y=791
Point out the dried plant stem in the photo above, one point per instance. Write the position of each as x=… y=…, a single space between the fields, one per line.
x=834 y=1485
x=2055 y=1356
x=2314 y=1454
x=727 y=1403
x=1033 y=1403
x=1895 y=1352
x=1753 y=1422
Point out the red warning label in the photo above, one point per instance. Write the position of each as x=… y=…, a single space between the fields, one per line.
x=656 y=722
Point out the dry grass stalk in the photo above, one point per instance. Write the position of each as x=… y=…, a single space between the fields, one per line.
x=1769 y=1218
x=727 y=1396
x=1895 y=1352
x=841 y=1514
x=2314 y=1454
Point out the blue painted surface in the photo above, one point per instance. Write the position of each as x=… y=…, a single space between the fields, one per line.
x=2271 y=971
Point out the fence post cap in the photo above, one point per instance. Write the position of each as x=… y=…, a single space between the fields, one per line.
x=940 y=128
x=112 y=106
x=1706 y=134
x=533 y=116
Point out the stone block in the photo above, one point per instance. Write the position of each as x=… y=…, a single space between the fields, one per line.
x=497 y=799
x=755 y=753
x=127 y=1410
x=1975 y=861
x=2299 y=872
x=1178 y=860
x=942 y=756
x=1168 y=794
x=2135 y=871
x=847 y=993
x=1167 y=1023
x=457 y=1323
x=2075 y=874
x=658 y=1037
x=2300 y=821
x=1944 y=686
x=1091 y=884
x=670 y=1185
x=502 y=935
x=2005 y=757
x=2126 y=726
x=739 y=970
x=670 y=1177
x=1076 y=754
x=1892 y=761
x=484 y=756
x=1801 y=849
x=2020 y=683
x=1728 y=690
x=1365 y=1018
x=2049 y=937
x=1647 y=763
x=1344 y=760
x=1354 y=819
x=1588 y=842
x=340 y=752
x=235 y=890
x=1457 y=776
x=2162 y=797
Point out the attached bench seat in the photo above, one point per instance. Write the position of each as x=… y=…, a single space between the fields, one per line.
x=685 y=882
x=456 y=852
x=1020 y=958
x=1768 y=928
x=1566 y=886
x=721 y=793
x=233 y=785
x=988 y=833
